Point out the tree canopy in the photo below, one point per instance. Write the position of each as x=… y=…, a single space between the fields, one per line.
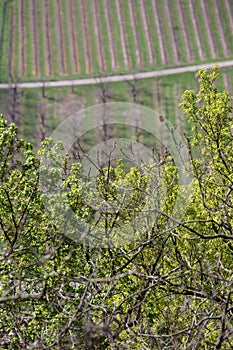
x=169 y=288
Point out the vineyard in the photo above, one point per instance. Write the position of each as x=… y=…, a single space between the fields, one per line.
x=52 y=39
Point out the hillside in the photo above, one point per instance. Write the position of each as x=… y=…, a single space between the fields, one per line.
x=53 y=39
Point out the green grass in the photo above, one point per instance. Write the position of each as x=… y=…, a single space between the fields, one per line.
x=190 y=30
x=29 y=41
x=152 y=44
x=227 y=27
x=30 y=118
x=117 y=38
x=179 y=33
x=81 y=53
x=67 y=42
x=93 y=45
x=129 y=36
x=105 y=37
x=1 y=17
x=16 y=54
x=202 y=31
x=154 y=35
x=3 y=9
x=116 y=35
x=215 y=29
x=41 y=42
x=4 y=45
x=4 y=102
x=170 y=87
x=55 y=52
x=141 y=34
x=168 y=42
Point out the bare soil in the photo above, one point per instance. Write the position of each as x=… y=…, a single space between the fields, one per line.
x=60 y=38
x=172 y=30
x=73 y=37
x=221 y=31
x=11 y=43
x=34 y=29
x=229 y=7
x=86 y=37
x=147 y=32
x=185 y=30
x=209 y=31
x=124 y=43
x=48 y=58
x=111 y=42
x=98 y=35
x=22 y=38
x=200 y=48
x=160 y=32
x=135 y=33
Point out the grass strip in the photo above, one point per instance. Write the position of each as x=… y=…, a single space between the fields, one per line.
x=67 y=43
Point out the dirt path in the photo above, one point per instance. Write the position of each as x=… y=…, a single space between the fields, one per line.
x=159 y=27
x=118 y=78
x=209 y=31
x=122 y=34
x=221 y=31
x=47 y=38
x=98 y=35
x=111 y=42
x=73 y=38
x=35 y=44
x=135 y=33
x=147 y=32
x=11 y=43
x=185 y=32
x=196 y=30
x=22 y=39
x=86 y=37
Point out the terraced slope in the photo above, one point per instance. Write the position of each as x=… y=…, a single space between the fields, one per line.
x=53 y=39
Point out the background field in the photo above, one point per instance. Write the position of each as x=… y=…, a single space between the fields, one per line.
x=59 y=39
x=53 y=39
x=37 y=112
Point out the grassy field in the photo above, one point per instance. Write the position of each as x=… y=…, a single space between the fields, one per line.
x=54 y=39
x=57 y=39
x=39 y=111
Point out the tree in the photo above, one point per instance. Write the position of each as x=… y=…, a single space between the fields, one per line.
x=14 y=102
x=168 y=288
